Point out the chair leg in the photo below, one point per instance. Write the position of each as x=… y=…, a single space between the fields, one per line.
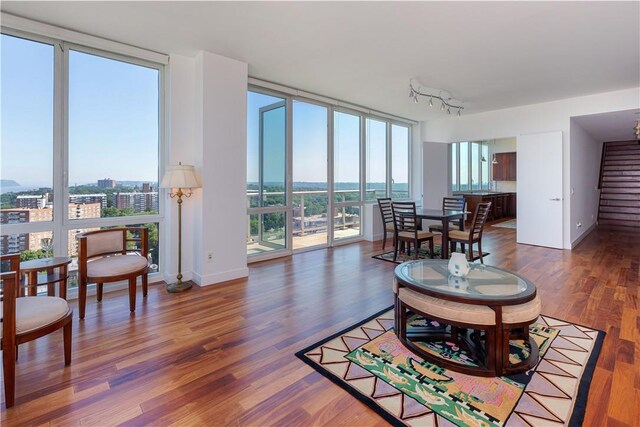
x=9 y=366
x=463 y=248
x=67 y=341
x=384 y=238
x=480 y=251
x=431 y=248
x=145 y=284
x=395 y=251
x=99 y=287
x=82 y=297
x=416 y=246
x=132 y=294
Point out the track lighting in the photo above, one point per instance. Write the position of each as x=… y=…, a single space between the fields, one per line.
x=446 y=101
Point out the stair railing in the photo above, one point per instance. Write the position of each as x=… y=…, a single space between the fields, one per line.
x=604 y=149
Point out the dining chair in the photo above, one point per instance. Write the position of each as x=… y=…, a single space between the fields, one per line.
x=26 y=318
x=473 y=234
x=112 y=255
x=407 y=229
x=387 y=220
x=450 y=204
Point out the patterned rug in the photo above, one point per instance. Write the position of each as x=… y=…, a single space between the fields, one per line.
x=512 y=223
x=370 y=363
x=423 y=253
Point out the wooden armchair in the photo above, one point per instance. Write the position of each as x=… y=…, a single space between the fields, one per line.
x=474 y=234
x=407 y=228
x=25 y=319
x=112 y=255
x=387 y=220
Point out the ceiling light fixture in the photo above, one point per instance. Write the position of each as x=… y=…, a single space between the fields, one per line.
x=447 y=102
x=636 y=129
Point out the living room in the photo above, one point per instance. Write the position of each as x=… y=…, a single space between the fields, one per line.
x=556 y=62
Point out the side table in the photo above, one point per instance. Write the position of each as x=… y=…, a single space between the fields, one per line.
x=57 y=272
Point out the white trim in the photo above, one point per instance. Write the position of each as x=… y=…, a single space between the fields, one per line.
x=579 y=239
x=214 y=279
x=47 y=30
x=330 y=101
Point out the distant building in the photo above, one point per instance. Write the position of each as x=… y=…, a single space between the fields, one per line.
x=89 y=198
x=139 y=202
x=84 y=210
x=32 y=202
x=106 y=183
x=146 y=187
x=20 y=215
x=16 y=243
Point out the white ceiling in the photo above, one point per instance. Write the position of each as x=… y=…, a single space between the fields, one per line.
x=490 y=55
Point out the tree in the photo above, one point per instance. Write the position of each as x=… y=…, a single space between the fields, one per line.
x=30 y=254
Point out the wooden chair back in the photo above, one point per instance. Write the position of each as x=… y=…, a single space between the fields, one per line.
x=111 y=241
x=453 y=204
x=479 y=218
x=404 y=217
x=385 y=210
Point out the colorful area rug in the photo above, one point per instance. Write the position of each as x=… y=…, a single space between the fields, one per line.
x=423 y=253
x=370 y=363
x=512 y=223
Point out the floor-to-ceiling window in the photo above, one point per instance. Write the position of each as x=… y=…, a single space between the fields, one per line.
x=81 y=145
x=309 y=180
x=311 y=167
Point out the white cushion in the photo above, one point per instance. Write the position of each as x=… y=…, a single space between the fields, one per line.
x=462 y=235
x=115 y=265
x=105 y=242
x=35 y=312
x=448 y=310
x=512 y=314
x=421 y=235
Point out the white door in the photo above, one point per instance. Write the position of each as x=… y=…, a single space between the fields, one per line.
x=540 y=198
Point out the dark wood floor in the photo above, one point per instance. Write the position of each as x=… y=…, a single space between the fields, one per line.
x=224 y=354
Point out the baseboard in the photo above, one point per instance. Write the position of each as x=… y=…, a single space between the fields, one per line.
x=583 y=235
x=212 y=279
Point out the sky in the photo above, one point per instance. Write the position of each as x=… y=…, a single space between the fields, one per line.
x=113 y=116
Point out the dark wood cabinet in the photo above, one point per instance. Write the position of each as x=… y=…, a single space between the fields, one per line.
x=505 y=169
x=502 y=204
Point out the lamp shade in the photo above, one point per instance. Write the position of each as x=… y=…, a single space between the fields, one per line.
x=180 y=176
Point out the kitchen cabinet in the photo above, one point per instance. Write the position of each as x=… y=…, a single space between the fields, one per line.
x=505 y=169
x=502 y=204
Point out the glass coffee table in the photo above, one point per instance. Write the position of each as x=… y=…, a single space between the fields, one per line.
x=466 y=313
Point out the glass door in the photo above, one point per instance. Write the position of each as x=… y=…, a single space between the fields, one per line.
x=267 y=201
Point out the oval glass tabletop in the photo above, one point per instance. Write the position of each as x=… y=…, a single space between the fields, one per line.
x=483 y=282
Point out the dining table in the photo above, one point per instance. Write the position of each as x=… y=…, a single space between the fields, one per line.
x=445 y=216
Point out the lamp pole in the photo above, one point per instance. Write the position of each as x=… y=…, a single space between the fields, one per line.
x=179 y=286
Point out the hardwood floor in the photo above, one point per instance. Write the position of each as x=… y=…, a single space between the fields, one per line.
x=224 y=354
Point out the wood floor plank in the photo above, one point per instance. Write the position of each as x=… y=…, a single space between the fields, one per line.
x=224 y=354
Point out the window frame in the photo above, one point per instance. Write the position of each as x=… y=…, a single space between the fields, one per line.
x=61 y=225
x=455 y=155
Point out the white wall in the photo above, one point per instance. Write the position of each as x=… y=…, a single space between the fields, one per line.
x=208 y=129
x=181 y=102
x=550 y=116
x=435 y=174
x=585 y=172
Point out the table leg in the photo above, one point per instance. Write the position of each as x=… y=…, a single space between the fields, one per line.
x=445 y=239
x=62 y=284
x=51 y=290
x=32 y=280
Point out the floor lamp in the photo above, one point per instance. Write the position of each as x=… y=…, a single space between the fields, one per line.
x=176 y=178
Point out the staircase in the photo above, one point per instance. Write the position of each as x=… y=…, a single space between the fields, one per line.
x=620 y=184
